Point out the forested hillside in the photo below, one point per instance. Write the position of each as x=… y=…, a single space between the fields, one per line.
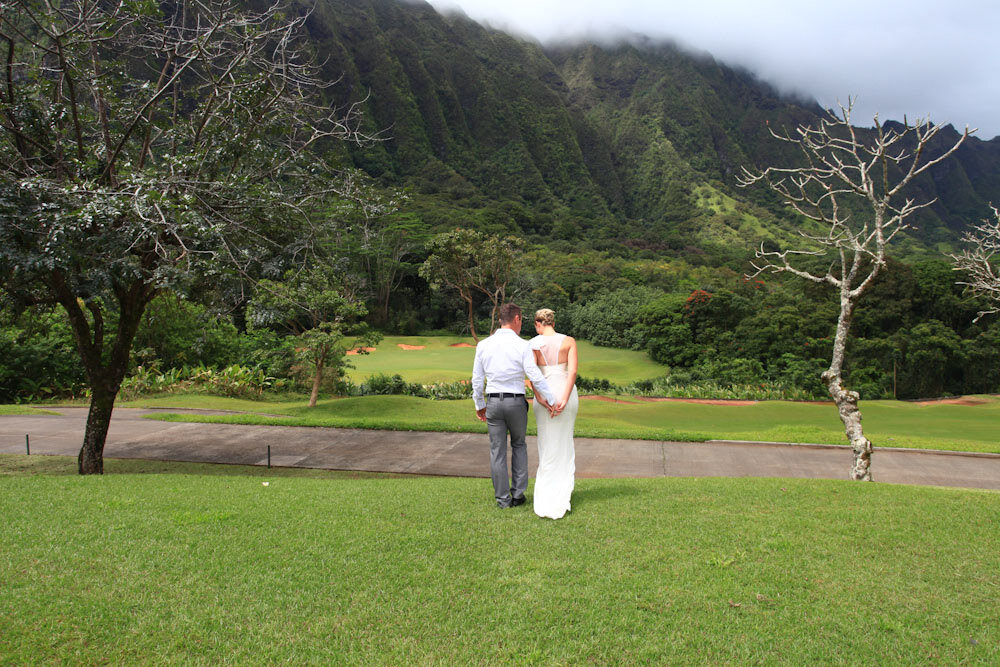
x=614 y=167
x=633 y=145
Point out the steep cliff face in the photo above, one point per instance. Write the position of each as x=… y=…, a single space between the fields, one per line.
x=637 y=141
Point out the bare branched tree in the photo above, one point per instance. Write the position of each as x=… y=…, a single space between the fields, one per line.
x=145 y=146
x=977 y=260
x=851 y=196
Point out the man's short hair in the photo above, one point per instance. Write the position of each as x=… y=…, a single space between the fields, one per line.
x=508 y=312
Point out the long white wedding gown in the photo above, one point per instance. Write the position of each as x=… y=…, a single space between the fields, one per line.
x=556 y=454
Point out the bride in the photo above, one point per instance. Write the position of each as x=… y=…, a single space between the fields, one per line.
x=555 y=354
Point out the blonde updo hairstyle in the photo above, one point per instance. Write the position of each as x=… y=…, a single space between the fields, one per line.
x=546 y=317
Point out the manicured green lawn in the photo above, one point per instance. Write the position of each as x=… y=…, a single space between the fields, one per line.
x=22 y=410
x=887 y=423
x=159 y=562
x=440 y=361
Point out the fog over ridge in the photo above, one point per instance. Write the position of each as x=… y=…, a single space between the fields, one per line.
x=919 y=58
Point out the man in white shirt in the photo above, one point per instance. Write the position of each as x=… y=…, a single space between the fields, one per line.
x=502 y=360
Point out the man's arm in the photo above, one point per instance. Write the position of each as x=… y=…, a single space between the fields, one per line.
x=478 y=380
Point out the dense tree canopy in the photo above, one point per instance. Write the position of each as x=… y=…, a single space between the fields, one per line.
x=153 y=152
x=147 y=146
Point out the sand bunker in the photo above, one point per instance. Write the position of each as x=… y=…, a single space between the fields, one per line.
x=461 y=345
x=404 y=346
x=359 y=350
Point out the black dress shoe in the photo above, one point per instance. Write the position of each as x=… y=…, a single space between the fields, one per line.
x=504 y=506
x=517 y=501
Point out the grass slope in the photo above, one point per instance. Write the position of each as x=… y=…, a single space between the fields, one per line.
x=887 y=423
x=440 y=361
x=182 y=566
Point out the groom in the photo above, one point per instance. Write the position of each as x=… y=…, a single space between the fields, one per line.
x=503 y=360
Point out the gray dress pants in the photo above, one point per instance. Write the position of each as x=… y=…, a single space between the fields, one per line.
x=503 y=416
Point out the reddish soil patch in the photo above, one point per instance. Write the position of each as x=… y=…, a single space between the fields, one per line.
x=404 y=346
x=961 y=400
x=605 y=399
x=703 y=401
x=461 y=345
x=358 y=350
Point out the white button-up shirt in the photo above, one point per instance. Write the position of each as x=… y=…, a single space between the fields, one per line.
x=502 y=360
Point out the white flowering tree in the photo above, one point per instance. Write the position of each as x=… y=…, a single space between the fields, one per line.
x=145 y=146
x=850 y=190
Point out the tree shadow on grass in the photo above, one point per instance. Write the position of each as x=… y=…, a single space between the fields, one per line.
x=22 y=465
x=147 y=467
x=51 y=465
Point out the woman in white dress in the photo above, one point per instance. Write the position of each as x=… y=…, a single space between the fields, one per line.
x=555 y=354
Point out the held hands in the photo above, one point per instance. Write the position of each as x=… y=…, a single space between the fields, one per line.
x=547 y=406
x=554 y=409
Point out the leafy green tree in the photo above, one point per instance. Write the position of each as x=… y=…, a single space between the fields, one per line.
x=143 y=147
x=784 y=326
x=874 y=364
x=982 y=365
x=176 y=332
x=612 y=319
x=933 y=361
x=38 y=358
x=937 y=296
x=451 y=264
x=668 y=336
x=312 y=306
x=472 y=263
x=797 y=372
x=709 y=314
x=380 y=240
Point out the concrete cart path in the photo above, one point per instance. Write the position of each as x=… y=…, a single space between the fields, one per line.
x=467 y=455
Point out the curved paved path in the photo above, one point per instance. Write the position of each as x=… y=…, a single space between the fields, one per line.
x=464 y=454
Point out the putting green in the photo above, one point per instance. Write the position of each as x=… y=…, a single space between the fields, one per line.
x=429 y=359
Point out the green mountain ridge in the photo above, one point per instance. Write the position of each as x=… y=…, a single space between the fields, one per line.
x=633 y=145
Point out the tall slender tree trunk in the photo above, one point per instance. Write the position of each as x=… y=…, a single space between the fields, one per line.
x=847 y=401
x=383 y=309
x=317 y=381
x=472 y=320
x=494 y=314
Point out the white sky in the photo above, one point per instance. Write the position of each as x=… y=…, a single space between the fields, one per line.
x=920 y=58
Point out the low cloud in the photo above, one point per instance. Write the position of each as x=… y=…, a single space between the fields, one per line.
x=917 y=58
